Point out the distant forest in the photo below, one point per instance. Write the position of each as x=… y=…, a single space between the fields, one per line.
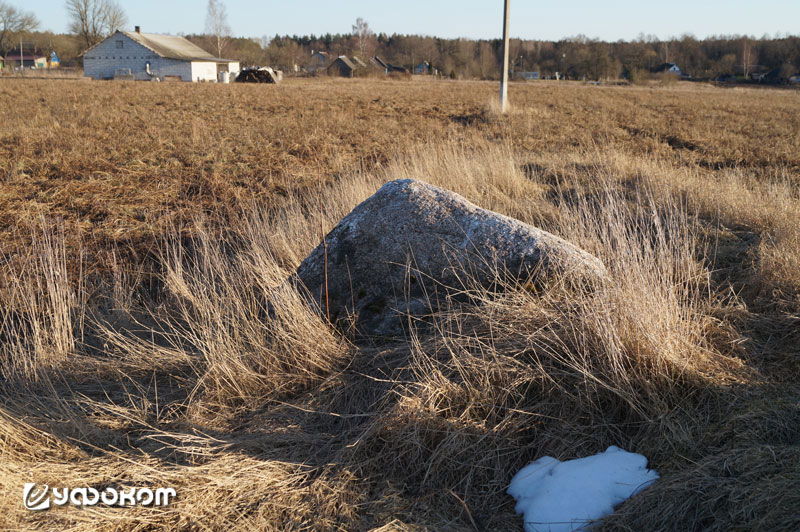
x=578 y=57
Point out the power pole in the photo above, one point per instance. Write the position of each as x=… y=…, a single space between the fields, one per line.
x=504 y=81
x=21 y=61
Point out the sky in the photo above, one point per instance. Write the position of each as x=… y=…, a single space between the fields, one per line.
x=609 y=20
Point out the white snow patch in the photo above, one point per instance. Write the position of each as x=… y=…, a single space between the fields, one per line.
x=556 y=496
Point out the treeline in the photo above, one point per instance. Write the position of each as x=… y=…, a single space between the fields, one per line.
x=67 y=47
x=576 y=57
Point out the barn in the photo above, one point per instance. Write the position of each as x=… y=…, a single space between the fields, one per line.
x=342 y=67
x=388 y=67
x=145 y=56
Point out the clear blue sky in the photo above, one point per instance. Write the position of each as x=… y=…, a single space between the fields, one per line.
x=532 y=19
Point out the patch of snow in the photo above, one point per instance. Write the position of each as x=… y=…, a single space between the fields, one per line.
x=556 y=496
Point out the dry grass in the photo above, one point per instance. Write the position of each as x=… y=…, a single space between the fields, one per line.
x=41 y=309
x=152 y=338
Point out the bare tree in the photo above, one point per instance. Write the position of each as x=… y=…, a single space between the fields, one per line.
x=747 y=57
x=115 y=16
x=94 y=20
x=217 y=28
x=12 y=22
x=364 y=36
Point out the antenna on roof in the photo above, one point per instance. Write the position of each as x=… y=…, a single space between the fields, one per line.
x=504 y=80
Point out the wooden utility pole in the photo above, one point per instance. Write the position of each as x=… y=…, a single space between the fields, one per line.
x=504 y=81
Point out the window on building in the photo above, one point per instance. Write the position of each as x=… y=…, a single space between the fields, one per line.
x=119 y=44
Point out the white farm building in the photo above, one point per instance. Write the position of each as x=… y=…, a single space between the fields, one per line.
x=145 y=56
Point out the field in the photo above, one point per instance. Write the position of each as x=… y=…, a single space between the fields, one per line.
x=144 y=225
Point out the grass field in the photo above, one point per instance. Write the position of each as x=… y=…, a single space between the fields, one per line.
x=143 y=226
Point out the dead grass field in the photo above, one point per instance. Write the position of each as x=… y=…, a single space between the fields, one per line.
x=143 y=227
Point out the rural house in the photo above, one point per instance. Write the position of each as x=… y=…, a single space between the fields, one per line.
x=146 y=56
x=668 y=68
x=342 y=67
x=779 y=75
x=27 y=58
x=388 y=67
x=318 y=61
x=422 y=68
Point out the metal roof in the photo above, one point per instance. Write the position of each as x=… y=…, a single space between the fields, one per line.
x=346 y=61
x=665 y=66
x=27 y=55
x=170 y=47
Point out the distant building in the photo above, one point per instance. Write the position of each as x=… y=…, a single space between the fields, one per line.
x=349 y=67
x=667 y=68
x=29 y=58
x=145 y=56
x=388 y=67
x=527 y=76
x=752 y=72
x=422 y=68
x=319 y=61
x=779 y=75
x=342 y=67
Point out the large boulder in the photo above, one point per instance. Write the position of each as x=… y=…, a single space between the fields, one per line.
x=399 y=251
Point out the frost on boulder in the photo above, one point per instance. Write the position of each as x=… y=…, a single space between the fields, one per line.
x=556 y=496
x=402 y=249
